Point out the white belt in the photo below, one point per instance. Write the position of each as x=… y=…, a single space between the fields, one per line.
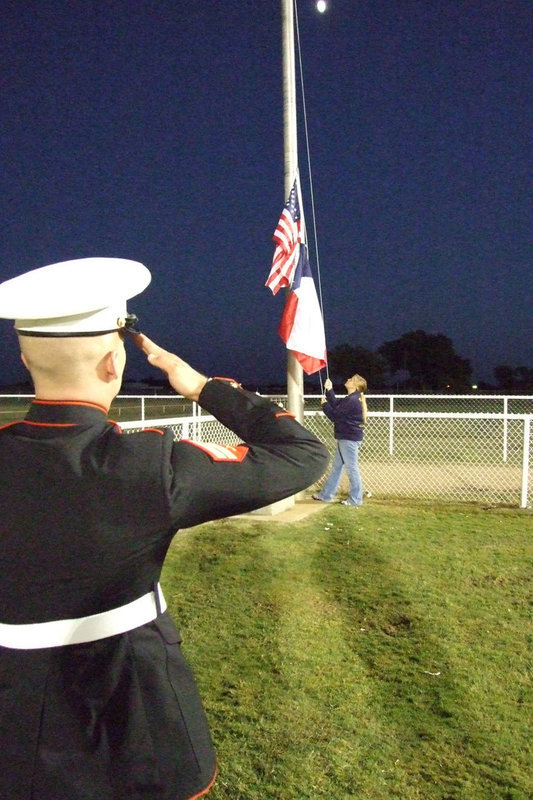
x=61 y=632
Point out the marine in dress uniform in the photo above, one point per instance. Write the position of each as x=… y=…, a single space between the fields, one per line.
x=96 y=699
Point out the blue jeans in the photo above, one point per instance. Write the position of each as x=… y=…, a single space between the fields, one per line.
x=347 y=456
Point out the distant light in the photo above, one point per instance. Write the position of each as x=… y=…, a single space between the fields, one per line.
x=474 y=386
x=321 y=6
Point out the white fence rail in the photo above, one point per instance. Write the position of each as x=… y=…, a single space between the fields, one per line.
x=463 y=448
x=447 y=457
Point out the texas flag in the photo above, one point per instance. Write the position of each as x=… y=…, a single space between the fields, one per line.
x=302 y=326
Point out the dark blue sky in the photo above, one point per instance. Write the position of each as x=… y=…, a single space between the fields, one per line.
x=153 y=131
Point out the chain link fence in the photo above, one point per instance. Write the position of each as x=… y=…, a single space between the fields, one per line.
x=478 y=458
x=467 y=448
x=462 y=457
x=450 y=403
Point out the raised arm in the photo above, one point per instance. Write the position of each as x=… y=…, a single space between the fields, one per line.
x=276 y=458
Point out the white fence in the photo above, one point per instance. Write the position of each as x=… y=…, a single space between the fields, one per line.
x=150 y=406
x=462 y=457
x=463 y=448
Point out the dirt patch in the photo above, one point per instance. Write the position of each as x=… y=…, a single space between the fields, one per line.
x=499 y=483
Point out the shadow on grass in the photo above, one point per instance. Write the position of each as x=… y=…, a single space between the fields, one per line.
x=419 y=692
x=327 y=672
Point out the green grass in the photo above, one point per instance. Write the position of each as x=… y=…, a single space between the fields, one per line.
x=379 y=652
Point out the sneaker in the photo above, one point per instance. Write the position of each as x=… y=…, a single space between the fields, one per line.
x=320 y=500
x=347 y=503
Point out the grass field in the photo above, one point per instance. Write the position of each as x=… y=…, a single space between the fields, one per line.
x=373 y=653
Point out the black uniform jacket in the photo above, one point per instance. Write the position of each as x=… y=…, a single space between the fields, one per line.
x=86 y=517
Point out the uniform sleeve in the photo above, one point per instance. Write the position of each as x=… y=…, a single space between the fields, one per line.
x=278 y=457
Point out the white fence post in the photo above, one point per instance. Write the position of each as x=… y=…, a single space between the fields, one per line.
x=391 y=425
x=197 y=413
x=505 y=426
x=525 y=462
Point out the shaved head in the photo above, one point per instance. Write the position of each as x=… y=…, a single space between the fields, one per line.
x=74 y=364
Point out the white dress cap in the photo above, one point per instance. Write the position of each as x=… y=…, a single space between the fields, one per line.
x=73 y=298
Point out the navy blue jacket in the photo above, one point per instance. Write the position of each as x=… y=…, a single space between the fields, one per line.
x=346 y=415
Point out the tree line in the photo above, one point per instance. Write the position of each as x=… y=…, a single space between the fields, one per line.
x=419 y=362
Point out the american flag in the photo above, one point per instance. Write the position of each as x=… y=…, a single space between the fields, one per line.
x=287 y=236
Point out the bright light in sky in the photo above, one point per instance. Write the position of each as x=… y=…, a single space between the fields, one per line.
x=321 y=6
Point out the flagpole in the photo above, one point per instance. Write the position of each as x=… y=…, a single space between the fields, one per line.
x=295 y=384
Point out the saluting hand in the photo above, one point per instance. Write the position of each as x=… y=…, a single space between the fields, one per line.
x=182 y=377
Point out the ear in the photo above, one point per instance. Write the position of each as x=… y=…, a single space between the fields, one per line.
x=109 y=363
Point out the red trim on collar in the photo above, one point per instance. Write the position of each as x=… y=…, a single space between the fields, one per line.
x=10 y=424
x=49 y=424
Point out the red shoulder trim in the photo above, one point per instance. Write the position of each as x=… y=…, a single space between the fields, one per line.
x=221 y=452
x=143 y=430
